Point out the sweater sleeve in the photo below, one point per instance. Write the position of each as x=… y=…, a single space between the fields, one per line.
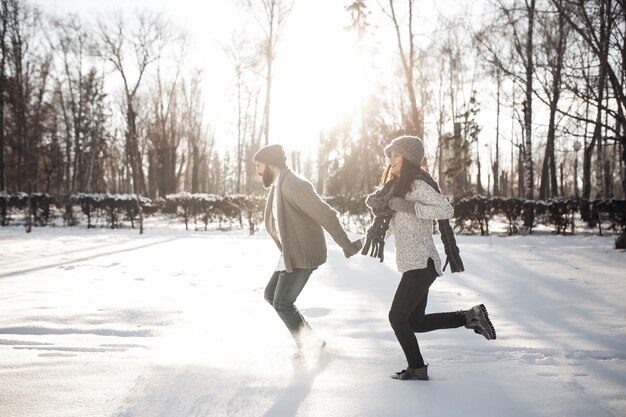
x=303 y=195
x=430 y=205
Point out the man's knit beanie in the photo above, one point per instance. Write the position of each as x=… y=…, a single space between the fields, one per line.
x=410 y=147
x=271 y=155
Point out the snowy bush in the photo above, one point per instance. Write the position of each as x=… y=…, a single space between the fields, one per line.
x=610 y=211
x=35 y=207
x=205 y=207
x=112 y=207
x=472 y=214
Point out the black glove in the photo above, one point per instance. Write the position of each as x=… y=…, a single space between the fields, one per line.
x=377 y=203
x=400 y=204
x=450 y=247
x=353 y=249
x=375 y=238
x=380 y=199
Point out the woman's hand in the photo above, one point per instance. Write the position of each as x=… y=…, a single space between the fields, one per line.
x=400 y=204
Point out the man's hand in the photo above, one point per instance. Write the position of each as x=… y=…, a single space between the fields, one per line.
x=353 y=249
x=400 y=204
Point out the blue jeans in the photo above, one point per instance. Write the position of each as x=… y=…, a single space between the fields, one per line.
x=281 y=292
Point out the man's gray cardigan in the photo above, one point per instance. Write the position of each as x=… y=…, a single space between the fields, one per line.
x=301 y=216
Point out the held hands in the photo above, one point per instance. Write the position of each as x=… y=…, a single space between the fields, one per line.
x=400 y=204
x=353 y=249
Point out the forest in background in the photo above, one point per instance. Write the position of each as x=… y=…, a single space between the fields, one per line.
x=109 y=104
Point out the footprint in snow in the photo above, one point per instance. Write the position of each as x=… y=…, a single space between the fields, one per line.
x=56 y=355
x=547 y=374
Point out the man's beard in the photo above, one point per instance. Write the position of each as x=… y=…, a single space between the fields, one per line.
x=268 y=177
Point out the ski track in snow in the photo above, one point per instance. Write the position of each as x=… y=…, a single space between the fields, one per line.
x=173 y=323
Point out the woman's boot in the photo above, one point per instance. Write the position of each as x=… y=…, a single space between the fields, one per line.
x=418 y=374
x=477 y=318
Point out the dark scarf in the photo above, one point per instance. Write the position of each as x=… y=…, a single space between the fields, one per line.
x=378 y=202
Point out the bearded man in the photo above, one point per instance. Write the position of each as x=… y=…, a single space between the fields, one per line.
x=295 y=218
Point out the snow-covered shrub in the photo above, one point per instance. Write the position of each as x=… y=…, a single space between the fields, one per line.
x=36 y=205
x=111 y=206
x=235 y=206
x=611 y=211
x=205 y=207
x=473 y=214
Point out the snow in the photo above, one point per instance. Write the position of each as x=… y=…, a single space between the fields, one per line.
x=171 y=323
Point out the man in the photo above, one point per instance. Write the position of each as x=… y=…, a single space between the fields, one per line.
x=295 y=217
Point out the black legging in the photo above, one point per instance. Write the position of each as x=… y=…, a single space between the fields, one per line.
x=407 y=315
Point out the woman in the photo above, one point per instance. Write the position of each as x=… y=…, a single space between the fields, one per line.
x=411 y=194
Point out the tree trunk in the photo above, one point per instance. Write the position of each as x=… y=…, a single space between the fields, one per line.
x=3 y=50
x=195 y=182
x=549 y=187
x=135 y=159
x=528 y=113
x=620 y=242
x=496 y=163
x=266 y=109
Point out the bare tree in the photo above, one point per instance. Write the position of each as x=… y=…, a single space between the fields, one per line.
x=26 y=86
x=553 y=41
x=456 y=106
x=81 y=101
x=601 y=25
x=519 y=26
x=140 y=40
x=165 y=126
x=408 y=58
x=271 y=16
x=200 y=142
x=245 y=65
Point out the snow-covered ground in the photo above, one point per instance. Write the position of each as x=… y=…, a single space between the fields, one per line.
x=173 y=324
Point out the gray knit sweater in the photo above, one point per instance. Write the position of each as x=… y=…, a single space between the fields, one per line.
x=414 y=231
x=302 y=216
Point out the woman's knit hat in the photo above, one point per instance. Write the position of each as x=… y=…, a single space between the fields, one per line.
x=410 y=147
x=271 y=155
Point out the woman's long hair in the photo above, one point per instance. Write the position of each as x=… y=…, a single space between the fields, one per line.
x=408 y=173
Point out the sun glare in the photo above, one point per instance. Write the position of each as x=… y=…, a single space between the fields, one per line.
x=320 y=79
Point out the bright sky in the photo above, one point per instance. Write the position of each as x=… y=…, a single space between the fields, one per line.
x=317 y=74
x=313 y=77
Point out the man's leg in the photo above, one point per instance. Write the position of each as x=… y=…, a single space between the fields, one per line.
x=270 y=288
x=288 y=287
